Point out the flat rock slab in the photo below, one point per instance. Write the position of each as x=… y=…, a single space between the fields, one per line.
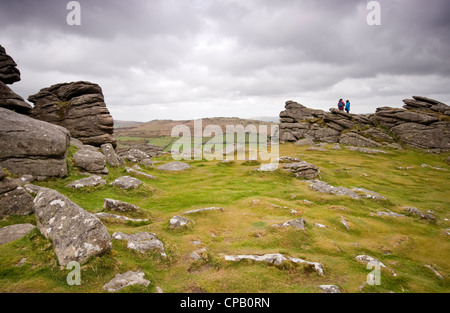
x=76 y=234
x=126 y=182
x=174 y=166
x=204 y=210
x=276 y=259
x=90 y=181
x=365 y=193
x=324 y=187
x=366 y=150
x=288 y=159
x=389 y=213
x=141 y=242
x=14 y=232
x=140 y=173
x=119 y=206
x=119 y=217
x=298 y=223
x=126 y=279
x=302 y=169
x=178 y=222
x=269 y=167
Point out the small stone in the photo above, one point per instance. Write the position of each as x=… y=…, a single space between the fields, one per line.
x=119 y=206
x=126 y=279
x=91 y=181
x=141 y=241
x=178 y=222
x=298 y=223
x=126 y=182
x=159 y=290
x=330 y=289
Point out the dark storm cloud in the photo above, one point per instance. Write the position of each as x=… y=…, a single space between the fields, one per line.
x=179 y=59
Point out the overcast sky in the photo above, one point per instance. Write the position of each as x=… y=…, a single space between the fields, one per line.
x=182 y=59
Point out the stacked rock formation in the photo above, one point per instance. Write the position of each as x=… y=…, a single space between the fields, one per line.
x=422 y=123
x=79 y=107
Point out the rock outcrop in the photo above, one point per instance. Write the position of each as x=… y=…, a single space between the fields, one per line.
x=12 y=101
x=76 y=234
x=422 y=123
x=9 y=73
x=79 y=107
x=29 y=146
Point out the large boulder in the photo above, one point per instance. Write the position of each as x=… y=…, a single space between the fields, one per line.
x=14 y=200
x=91 y=161
x=110 y=154
x=29 y=146
x=9 y=73
x=76 y=234
x=79 y=107
x=354 y=139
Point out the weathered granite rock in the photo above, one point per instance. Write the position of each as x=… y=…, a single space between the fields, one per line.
x=119 y=206
x=389 y=213
x=287 y=159
x=302 y=169
x=422 y=215
x=135 y=155
x=14 y=232
x=111 y=157
x=90 y=181
x=368 y=259
x=434 y=136
x=91 y=161
x=204 y=210
x=323 y=187
x=149 y=149
x=79 y=107
x=276 y=259
x=12 y=101
x=304 y=142
x=126 y=279
x=330 y=289
x=199 y=255
x=174 y=166
x=141 y=242
x=366 y=150
x=345 y=223
x=298 y=223
x=178 y=222
x=126 y=182
x=369 y=194
x=16 y=202
x=119 y=217
x=29 y=146
x=354 y=139
x=140 y=173
x=9 y=73
x=76 y=234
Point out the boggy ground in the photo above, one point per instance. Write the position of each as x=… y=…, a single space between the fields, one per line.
x=252 y=202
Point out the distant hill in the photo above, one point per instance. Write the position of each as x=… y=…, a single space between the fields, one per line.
x=273 y=119
x=120 y=123
x=162 y=128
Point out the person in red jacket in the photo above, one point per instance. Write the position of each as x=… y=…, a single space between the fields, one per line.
x=341 y=105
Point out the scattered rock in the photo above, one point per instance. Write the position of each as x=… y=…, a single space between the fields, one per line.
x=178 y=222
x=14 y=232
x=91 y=161
x=90 y=181
x=141 y=242
x=316 y=149
x=365 y=150
x=336 y=146
x=298 y=223
x=330 y=289
x=112 y=158
x=323 y=187
x=159 y=290
x=345 y=223
x=302 y=169
x=269 y=167
x=368 y=259
x=204 y=210
x=126 y=279
x=29 y=146
x=79 y=107
x=320 y=225
x=433 y=167
x=136 y=172
x=199 y=255
x=276 y=259
x=119 y=206
x=126 y=182
x=119 y=217
x=287 y=159
x=434 y=270
x=304 y=142
x=365 y=193
x=174 y=166
x=422 y=215
x=389 y=213
x=76 y=234
x=22 y=262
x=136 y=156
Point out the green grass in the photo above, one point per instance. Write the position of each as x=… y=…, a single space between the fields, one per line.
x=403 y=244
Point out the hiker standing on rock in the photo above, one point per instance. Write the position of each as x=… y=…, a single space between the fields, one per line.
x=341 y=105
x=347 y=106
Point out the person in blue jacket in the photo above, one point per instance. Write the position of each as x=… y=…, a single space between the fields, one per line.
x=347 y=106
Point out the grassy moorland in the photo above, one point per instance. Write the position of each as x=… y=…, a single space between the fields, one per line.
x=252 y=202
